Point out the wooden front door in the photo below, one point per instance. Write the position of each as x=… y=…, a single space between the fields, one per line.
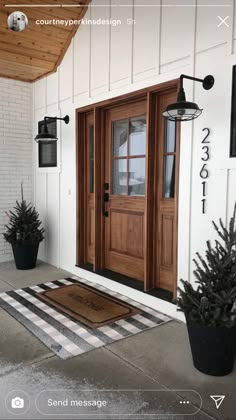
x=127 y=188
x=124 y=189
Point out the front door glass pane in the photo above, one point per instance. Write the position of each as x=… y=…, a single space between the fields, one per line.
x=136 y=176
x=137 y=136
x=119 y=177
x=119 y=138
x=128 y=156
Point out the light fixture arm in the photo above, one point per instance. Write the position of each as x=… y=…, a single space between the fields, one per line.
x=184 y=76
x=207 y=82
x=66 y=119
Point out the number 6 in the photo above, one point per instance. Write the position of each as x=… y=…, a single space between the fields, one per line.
x=204 y=172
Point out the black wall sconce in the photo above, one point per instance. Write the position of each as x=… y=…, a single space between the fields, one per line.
x=47 y=137
x=183 y=110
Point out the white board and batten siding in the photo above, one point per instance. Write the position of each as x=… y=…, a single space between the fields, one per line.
x=104 y=62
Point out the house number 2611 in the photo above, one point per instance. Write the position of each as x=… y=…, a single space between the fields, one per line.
x=204 y=172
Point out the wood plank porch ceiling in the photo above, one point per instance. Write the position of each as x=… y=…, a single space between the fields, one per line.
x=39 y=49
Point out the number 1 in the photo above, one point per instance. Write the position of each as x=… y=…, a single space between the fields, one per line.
x=204 y=206
x=204 y=188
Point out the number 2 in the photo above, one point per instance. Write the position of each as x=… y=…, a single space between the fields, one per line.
x=207 y=135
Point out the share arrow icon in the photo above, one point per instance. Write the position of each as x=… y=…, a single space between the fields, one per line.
x=218 y=399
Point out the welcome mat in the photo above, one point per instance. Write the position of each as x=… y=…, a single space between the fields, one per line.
x=88 y=305
x=64 y=335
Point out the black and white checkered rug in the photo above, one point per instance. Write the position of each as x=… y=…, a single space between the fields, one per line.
x=64 y=336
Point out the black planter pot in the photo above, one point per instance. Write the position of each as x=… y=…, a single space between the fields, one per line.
x=25 y=255
x=213 y=348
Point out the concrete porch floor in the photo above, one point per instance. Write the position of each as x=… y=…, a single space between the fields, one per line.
x=155 y=359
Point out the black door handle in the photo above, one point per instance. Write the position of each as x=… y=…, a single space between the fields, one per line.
x=106 y=197
x=105 y=200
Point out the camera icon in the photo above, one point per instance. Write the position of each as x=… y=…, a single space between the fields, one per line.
x=17 y=402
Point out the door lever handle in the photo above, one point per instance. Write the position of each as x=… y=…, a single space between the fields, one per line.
x=105 y=200
x=106 y=197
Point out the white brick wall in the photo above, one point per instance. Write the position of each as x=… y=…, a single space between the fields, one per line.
x=15 y=149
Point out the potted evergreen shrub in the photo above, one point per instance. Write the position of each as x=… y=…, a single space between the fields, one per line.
x=210 y=307
x=24 y=234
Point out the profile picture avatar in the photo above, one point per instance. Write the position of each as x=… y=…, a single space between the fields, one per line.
x=17 y=402
x=17 y=21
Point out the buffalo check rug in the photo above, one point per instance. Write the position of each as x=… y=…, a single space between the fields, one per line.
x=62 y=334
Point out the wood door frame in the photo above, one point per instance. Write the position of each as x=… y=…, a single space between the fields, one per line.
x=149 y=94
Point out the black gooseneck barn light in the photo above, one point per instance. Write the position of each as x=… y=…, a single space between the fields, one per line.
x=47 y=137
x=183 y=110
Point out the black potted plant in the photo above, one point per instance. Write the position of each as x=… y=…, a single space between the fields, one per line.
x=24 y=233
x=210 y=307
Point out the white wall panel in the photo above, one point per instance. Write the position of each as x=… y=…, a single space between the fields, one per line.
x=179 y=65
x=201 y=227
x=208 y=32
x=82 y=59
x=52 y=236
x=65 y=74
x=184 y=201
x=177 y=24
x=146 y=33
x=216 y=117
x=216 y=103
x=121 y=46
x=52 y=89
x=41 y=206
x=67 y=206
x=99 y=47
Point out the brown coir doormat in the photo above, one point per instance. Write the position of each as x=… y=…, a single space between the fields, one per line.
x=87 y=305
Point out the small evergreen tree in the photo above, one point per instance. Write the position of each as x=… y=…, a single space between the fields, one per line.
x=213 y=302
x=24 y=224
